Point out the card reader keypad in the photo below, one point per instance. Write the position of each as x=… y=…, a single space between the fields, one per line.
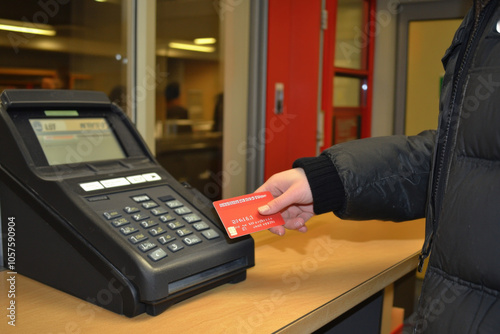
x=159 y=226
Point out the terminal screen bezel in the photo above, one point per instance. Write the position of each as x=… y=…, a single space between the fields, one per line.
x=127 y=142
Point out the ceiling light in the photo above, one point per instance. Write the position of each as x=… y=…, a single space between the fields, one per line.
x=27 y=27
x=191 y=47
x=203 y=41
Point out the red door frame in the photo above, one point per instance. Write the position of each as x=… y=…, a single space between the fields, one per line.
x=329 y=71
x=294 y=30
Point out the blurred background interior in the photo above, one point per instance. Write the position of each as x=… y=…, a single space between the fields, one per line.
x=93 y=44
x=86 y=44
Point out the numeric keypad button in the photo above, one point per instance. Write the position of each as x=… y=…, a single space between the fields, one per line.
x=148 y=223
x=145 y=246
x=149 y=205
x=140 y=216
x=158 y=211
x=128 y=230
x=175 y=247
x=157 y=231
x=157 y=254
x=182 y=211
x=175 y=225
x=166 y=198
x=191 y=218
x=200 y=226
x=166 y=238
x=135 y=239
x=174 y=204
x=192 y=240
x=183 y=232
x=120 y=222
x=167 y=218
x=210 y=234
x=111 y=215
x=131 y=209
x=141 y=198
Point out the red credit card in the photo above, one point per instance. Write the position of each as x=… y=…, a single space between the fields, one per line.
x=240 y=216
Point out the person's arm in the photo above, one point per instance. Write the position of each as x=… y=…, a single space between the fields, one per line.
x=375 y=178
x=384 y=178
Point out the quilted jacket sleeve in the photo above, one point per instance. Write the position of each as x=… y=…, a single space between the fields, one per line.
x=382 y=178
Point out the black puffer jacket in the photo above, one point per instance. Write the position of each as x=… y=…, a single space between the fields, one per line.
x=452 y=177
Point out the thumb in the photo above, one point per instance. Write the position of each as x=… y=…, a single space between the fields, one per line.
x=276 y=205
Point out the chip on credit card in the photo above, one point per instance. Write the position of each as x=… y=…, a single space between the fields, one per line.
x=240 y=216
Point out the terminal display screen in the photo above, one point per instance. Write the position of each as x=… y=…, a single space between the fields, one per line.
x=76 y=140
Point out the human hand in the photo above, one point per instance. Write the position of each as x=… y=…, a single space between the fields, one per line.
x=293 y=198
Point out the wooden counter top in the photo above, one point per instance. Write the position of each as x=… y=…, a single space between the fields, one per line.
x=300 y=282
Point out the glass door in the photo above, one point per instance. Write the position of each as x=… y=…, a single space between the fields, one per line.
x=189 y=101
x=348 y=68
x=65 y=45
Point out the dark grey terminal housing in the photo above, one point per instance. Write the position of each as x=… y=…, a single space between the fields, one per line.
x=96 y=216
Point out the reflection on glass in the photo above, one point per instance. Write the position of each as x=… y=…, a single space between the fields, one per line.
x=189 y=100
x=346 y=92
x=346 y=128
x=86 y=51
x=60 y=140
x=351 y=38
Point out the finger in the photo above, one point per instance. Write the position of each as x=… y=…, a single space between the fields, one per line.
x=278 y=230
x=306 y=216
x=294 y=224
x=291 y=224
x=262 y=188
x=278 y=204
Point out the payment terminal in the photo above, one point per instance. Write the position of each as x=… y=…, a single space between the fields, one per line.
x=89 y=211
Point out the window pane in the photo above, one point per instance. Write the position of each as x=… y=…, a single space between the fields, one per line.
x=346 y=92
x=84 y=46
x=346 y=127
x=189 y=101
x=350 y=41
